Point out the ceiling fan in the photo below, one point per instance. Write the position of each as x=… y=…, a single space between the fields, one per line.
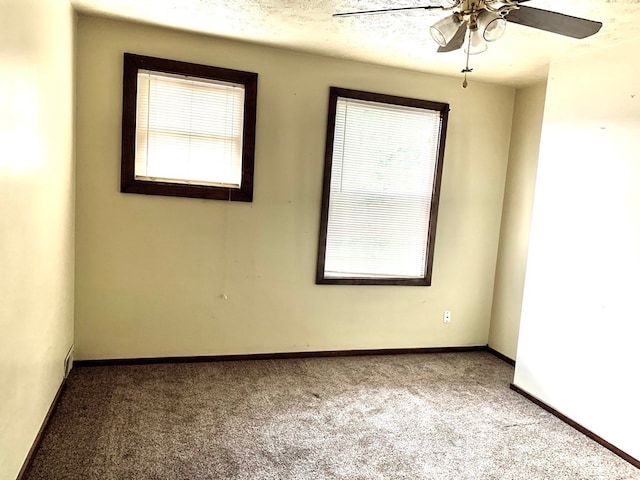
x=475 y=23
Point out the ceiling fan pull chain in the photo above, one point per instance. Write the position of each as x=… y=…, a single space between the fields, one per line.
x=466 y=70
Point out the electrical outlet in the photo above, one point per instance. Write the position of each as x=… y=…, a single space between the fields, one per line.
x=447 y=317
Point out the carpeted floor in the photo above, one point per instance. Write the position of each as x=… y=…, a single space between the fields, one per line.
x=437 y=416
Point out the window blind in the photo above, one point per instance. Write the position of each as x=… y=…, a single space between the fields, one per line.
x=382 y=175
x=188 y=130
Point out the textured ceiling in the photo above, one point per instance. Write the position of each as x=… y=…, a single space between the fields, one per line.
x=398 y=39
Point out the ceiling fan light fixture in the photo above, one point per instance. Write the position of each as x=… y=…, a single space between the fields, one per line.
x=491 y=25
x=444 y=29
x=475 y=43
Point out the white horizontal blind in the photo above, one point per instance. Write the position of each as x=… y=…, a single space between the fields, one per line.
x=189 y=130
x=382 y=174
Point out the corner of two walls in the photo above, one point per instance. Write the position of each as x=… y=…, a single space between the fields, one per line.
x=516 y=218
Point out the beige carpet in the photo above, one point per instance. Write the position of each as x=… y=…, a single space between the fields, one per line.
x=437 y=416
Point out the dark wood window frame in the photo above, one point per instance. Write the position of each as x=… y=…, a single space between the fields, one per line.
x=443 y=109
x=128 y=182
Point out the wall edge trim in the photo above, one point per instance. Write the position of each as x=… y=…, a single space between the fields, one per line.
x=26 y=465
x=501 y=356
x=572 y=423
x=275 y=356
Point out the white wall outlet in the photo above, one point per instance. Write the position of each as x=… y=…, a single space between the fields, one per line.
x=447 y=317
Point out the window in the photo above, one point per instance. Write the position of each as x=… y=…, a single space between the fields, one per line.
x=383 y=165
x=187 y=130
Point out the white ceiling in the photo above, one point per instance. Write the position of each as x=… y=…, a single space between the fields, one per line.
x=401 y=40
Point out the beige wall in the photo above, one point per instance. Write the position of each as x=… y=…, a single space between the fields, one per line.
x=153 y=272
x=578 y=346
x=36 y=216
x=516 y=219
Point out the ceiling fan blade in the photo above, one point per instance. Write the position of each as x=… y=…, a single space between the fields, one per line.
x=554 y=22
x=456 y=42
x=387 y=10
